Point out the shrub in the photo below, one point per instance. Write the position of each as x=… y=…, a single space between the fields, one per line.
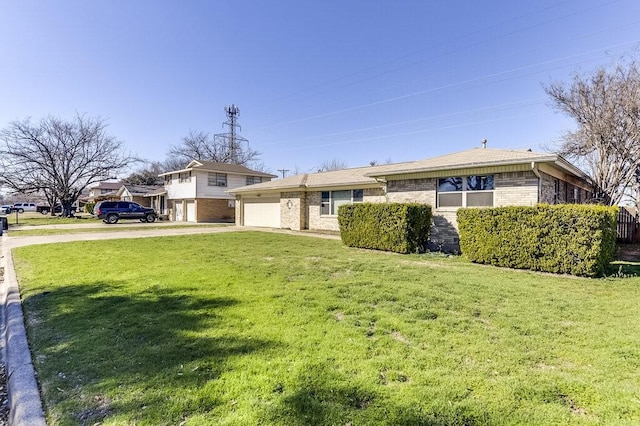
x=88 y=208
x=401 y=228
x=566 y=239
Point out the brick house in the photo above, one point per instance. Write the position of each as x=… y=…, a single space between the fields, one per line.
x=197 y=193
x=480 y=177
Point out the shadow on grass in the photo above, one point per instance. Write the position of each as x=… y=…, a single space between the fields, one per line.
x=321 y=396
x=100 y=351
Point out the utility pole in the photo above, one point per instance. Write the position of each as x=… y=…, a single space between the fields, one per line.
x=283 y=171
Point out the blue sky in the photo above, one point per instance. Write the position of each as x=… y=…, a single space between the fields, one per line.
x=354 y=80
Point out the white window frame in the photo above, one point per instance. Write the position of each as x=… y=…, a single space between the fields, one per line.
x=465 y=191
x=217 y=179
x=184 y=177
x=330 y=203
x=252 y=180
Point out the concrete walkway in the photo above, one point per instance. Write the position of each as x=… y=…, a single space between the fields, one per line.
x=24 y=398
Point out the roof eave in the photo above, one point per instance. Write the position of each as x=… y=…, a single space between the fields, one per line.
x=545 y=159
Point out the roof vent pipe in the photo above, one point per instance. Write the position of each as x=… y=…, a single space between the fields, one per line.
x=484 y=143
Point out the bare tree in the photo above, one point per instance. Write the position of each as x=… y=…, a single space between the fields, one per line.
x=203 y=146
x=58 y=158
x=227 y=147
x=332 y=165
x=606 y=108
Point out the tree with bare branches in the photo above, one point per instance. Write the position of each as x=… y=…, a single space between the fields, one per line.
x=228 y=147
x=332 y=165
x=59 y=158
x=606 y=108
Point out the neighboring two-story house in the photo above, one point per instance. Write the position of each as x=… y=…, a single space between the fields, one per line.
x=197 y=193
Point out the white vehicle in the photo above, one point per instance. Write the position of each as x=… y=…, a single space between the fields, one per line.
x=24 y=207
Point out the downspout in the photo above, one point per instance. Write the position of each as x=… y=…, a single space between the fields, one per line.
x=534 y=169
x=383 y=181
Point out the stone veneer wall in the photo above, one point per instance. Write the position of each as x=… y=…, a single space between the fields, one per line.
x=213 y=210
x=293 y=210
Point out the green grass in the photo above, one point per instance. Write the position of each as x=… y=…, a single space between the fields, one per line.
x=260 y=328
x=100 y=227
x=35 y=219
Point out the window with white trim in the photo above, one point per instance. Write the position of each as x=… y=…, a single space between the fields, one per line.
x=217 y=179
x=331 y=200
x=167 y=179
x=184 y=177
x=254 y=179
x=465 y=191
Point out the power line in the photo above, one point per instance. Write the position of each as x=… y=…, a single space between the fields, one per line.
x=528 y=102
x=446 y=86
x=352 y=141
x=467 y=35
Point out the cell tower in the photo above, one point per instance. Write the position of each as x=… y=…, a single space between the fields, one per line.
x=232 y=140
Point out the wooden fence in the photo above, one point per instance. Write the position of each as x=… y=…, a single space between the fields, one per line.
x=627 y=226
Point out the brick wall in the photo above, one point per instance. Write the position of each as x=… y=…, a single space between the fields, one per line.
x=515 y=189
x=330 y=223
x=238 y=212
x=548 y=190
x=214 y=210
x=293 y=210
x=422 y=191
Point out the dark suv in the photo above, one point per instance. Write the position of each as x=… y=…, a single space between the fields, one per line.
x=113 y=211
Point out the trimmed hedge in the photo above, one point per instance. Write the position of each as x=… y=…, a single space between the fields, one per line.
x=566 y=239
x=401 y=228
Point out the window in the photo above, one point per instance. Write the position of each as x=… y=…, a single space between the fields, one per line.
x=469 y=191
x=330 y=201
x=217 y=179
x=254 y=179
x=167 y=179
x=184 y=177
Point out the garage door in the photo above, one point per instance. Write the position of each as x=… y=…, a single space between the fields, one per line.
x=191 y=211
x=262 y=212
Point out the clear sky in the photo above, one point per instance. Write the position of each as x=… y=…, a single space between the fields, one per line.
x=355 y=80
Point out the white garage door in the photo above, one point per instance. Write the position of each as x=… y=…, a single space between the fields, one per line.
x=262 y=212
x=191 y=211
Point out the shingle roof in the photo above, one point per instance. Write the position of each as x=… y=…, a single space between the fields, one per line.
x=345 y=177
x=107 y=185
x=212 y=166
x=477 y=157
x=142 y=189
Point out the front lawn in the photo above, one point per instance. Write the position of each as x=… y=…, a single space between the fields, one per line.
x=36 y=219
x=261 y=328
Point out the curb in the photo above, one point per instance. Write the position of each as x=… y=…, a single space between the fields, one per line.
x=25 y=404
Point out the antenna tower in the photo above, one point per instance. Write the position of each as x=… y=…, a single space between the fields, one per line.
x=232 y=140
